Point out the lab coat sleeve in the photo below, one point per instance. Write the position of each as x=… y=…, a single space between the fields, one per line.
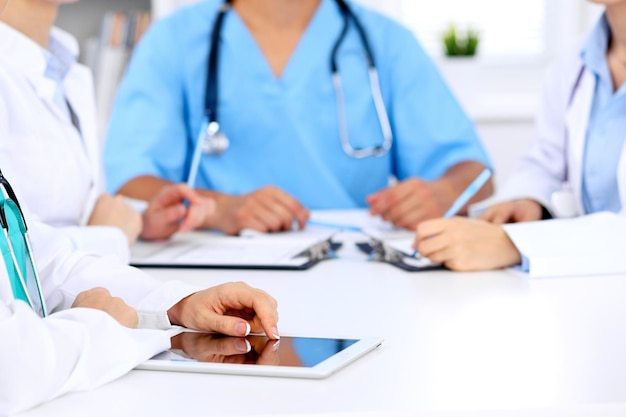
x=147 y=134
x=584 y=245
x=104 y=240
x=71 y=350
x=542 y=169
x=432 y=132
x=76 y=349
x=68 y=272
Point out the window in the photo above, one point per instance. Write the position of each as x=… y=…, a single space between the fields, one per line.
x=506 y=28
x=518 y=40
x=531 y=30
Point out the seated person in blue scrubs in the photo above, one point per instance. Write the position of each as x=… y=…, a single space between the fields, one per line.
x=575 y=167
x=296 y=141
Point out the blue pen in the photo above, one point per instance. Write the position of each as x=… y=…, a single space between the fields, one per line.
x=469 y=192
x=465 y=196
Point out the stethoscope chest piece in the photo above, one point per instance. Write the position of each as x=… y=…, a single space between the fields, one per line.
x=564 y=203
x=215 y=141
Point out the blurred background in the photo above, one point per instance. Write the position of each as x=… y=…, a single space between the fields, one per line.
x=498 y=85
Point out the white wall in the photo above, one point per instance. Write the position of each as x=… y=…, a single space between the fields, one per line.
x=162 y=8
x=391 y=8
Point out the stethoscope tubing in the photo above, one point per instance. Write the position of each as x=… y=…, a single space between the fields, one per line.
x=570 y=101
x=211 y=97
x=29 y=252
x=210 y=126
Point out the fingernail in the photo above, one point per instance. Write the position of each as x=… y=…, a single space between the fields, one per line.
x=242 y=345
x=275 y=346
x=275 y=334
x=242 y=329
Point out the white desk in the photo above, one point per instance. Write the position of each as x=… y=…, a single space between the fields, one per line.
x=453 y=342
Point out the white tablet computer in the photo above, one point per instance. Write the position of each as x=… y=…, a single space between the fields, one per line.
x=296 y=357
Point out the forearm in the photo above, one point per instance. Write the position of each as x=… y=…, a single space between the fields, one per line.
x=457 y=179
x=147 y=187
x=144 y=187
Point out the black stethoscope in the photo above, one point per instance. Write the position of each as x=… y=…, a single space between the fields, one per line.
x=213 y=141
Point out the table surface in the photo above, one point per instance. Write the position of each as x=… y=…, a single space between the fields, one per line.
x=454 y=344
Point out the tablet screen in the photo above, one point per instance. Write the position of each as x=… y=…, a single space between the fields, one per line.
x=288 y=351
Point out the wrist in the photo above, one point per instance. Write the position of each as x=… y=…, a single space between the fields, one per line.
x=214 y=217
x=512 y=255
x=176 y=313
x=445 y=193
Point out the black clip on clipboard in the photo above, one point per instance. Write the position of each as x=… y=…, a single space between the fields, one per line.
x=322 y=251
x=379 y=252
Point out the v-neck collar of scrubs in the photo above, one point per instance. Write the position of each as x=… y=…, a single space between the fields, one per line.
x=304 y=57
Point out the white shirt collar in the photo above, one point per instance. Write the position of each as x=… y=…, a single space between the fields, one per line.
x=59 y=59
x=26 y=54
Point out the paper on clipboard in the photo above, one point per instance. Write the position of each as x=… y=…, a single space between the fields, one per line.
x=199 y=249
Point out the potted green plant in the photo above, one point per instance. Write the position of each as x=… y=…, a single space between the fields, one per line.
x=459 y=65
x=460 y=43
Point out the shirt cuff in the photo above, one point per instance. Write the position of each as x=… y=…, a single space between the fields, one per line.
x=157 y=320
x=525 y=265
x=152 y=309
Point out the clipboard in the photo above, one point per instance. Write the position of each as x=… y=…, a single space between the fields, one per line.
x=395 y=252
x=297 y=250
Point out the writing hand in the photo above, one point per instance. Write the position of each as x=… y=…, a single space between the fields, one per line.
x=463 y=244
x=167 y=213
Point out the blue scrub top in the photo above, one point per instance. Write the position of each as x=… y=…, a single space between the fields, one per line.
x=285 y=132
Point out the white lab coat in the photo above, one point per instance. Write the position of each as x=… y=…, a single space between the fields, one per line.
x=61 y=171
x=556 y=153
x=556 y=156
x=76 y=349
